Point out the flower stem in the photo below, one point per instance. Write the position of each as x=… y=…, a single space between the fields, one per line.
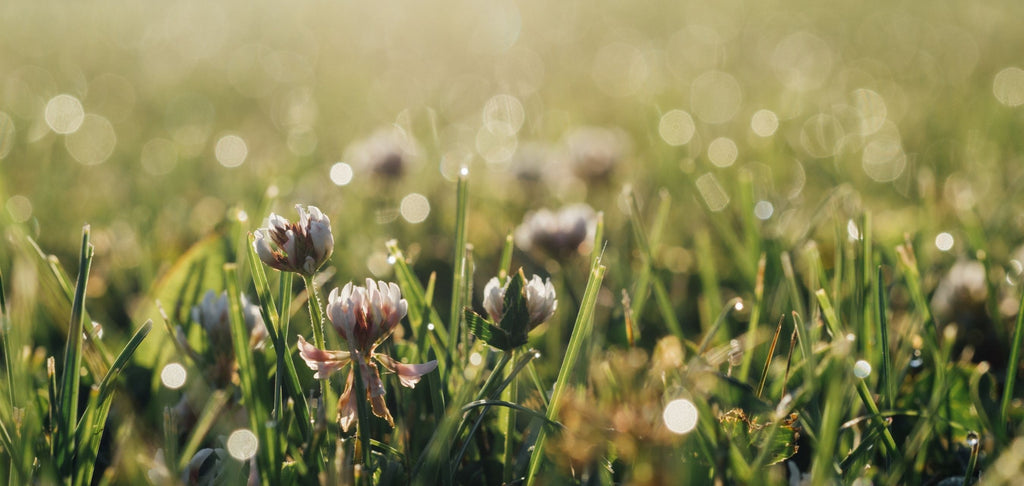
x=510 y=424
x=316 y=315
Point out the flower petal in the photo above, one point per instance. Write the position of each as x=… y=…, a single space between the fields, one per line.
x=409 y=374
x=347 y=411
x=323 y=362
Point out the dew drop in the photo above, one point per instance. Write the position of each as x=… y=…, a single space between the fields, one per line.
x=862 y=369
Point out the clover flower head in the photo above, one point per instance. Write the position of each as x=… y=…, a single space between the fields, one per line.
x=364 y=316
x=594 y=152
x=301 y=247
x=539 y=295
x=558 y=234
x=212 y=315
x=387 y=153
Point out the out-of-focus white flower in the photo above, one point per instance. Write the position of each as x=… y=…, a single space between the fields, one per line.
x=557 y=233
x=539 y=295
x=301 y=247
x=387 y=153
x=212 y=315
x=364 y=317
x=594 y=152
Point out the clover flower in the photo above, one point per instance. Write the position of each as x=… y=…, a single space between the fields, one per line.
x=594 y=152
x=364 y=317
x=212 y=315
x=560 y=233
x=301 y=247
x=387 y=153
x=539 y=295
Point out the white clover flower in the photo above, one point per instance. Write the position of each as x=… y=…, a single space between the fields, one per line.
x=301 y=247
x=364 y=317
x=387 y=153
x=212 y=315
x=207 y=467
x=594 y=152
x=539 y=295
x=559 y=234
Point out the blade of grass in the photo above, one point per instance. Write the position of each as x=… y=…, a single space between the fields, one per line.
x=459 y=262
x=5 y=329
x=888 y=384
x=208 y=417
x=505 y=267
x=755 y=317
x=67 y=411
x=584 y=322
x=250 y=379
x=768 y=360
x=1011 y=368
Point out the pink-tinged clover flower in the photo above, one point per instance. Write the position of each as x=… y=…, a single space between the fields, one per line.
x=364 y=317
x=301 y=247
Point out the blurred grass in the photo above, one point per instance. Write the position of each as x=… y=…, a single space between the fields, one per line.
x=896 y=123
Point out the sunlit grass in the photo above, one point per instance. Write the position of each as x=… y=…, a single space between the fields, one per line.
x=784 y=239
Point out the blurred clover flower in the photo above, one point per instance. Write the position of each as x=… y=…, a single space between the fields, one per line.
x=514 y=308
x=387 y=153
x=594 y=152
x=364 y=317
x=212 y=315
x=558 y=234
x=301 y=247
x=961 y=299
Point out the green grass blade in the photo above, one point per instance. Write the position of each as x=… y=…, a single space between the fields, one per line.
x=5 y=340
x=67 y=394
x=1011 y=369
x=207 y=418
x=581 y=329
x=888 y=383
x=755 y=317
x=459 y=262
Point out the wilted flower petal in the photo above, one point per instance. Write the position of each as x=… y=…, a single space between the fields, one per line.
x=323 y=362
x=302 y=247
x=409 y=374
x=347 y=411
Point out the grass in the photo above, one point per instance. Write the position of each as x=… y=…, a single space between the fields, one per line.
x=847 y=177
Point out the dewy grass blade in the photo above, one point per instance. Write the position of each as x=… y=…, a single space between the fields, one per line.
x=250 y=379
x=459 y=262
x=67 y=410
x=888 y=382
x=505 y=267
x=755 y=317
x=1011 y=370
x=5 y=340
x=584 y=322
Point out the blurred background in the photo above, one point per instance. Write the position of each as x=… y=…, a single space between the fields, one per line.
x=158 y=122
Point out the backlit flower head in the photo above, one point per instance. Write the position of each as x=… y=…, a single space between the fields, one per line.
x=301 y=247
x=594 y=152
x=558 y=234
x=539 y=295
x=364 y=317
x=212 y=315
x=387 y=153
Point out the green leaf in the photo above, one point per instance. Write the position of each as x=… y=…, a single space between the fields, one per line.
x=494 y=336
